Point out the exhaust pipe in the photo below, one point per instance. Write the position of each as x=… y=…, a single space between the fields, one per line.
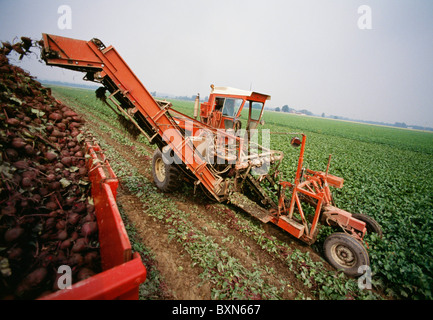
x=196 y=105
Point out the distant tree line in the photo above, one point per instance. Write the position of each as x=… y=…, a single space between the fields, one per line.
x=287 y=109
x=184 y=98
x=396 y=124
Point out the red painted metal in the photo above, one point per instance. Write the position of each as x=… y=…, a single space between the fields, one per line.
x=118 y=283
x=114 y=241
x=314 y=185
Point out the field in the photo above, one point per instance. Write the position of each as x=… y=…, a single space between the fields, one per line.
x=198 y=249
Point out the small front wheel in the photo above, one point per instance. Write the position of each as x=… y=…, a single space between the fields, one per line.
x=345 y=253
x=372 y=225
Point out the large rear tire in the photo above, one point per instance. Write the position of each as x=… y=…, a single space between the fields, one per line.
x=165 y=175
x=345 y=253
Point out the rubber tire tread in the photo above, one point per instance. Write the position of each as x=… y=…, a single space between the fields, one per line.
x=172 y=174
x=371 y=224
x=356 y=246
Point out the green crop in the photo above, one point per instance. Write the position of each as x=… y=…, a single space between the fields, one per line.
x=388 y=175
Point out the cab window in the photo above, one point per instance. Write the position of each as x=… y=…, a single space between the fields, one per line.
x=256 y=110
x=231 y=106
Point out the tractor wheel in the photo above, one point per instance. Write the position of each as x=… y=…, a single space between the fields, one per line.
x=370 y=223
x=166 y=176
x=345 y=253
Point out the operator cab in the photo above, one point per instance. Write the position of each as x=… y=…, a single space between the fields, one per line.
x=230 y=108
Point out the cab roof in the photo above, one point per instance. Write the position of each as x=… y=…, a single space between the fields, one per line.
x=236 y=92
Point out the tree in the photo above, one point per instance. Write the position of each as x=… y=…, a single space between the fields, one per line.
x=400 y=125
x=277 y=109
x=305 y=111
x=323 y=115
x=286 y=108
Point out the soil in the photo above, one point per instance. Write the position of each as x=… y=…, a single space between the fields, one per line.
x=180 y=281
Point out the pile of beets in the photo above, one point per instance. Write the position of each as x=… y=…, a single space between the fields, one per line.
x=47 y=217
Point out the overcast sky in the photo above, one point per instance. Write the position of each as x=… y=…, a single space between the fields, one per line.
x=308 y=54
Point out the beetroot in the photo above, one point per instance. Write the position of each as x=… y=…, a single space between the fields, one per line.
x=36 y=277
x=50 y=223
x=13 y=122
x=66 y=244
x=91 y=258
x=12 y=154
x=51 y=205
x=18 y=143
x=56 y=133
x=70 y=201
x=9 y=210
x=51 y=177
x=29 y=150
x=79 y=207
x=85 y=273
x=55 y=185
x=67 y=161
x=14 y=234
x=31 y=282
x=26 y=182
x=74 y=236
x=15 y=254
x=61 y=126
x=89 y=228
x=22 y=165
x=60 y=225
x=50 y=156
x=79 y=154
x=74 y=125
x=62 y=235
x=73 y=218
x=80 y=245
x=82 y=171
x=70 y=114
x=76 y=259
x=89 y=217
x=55 y=116
x=42 y=212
